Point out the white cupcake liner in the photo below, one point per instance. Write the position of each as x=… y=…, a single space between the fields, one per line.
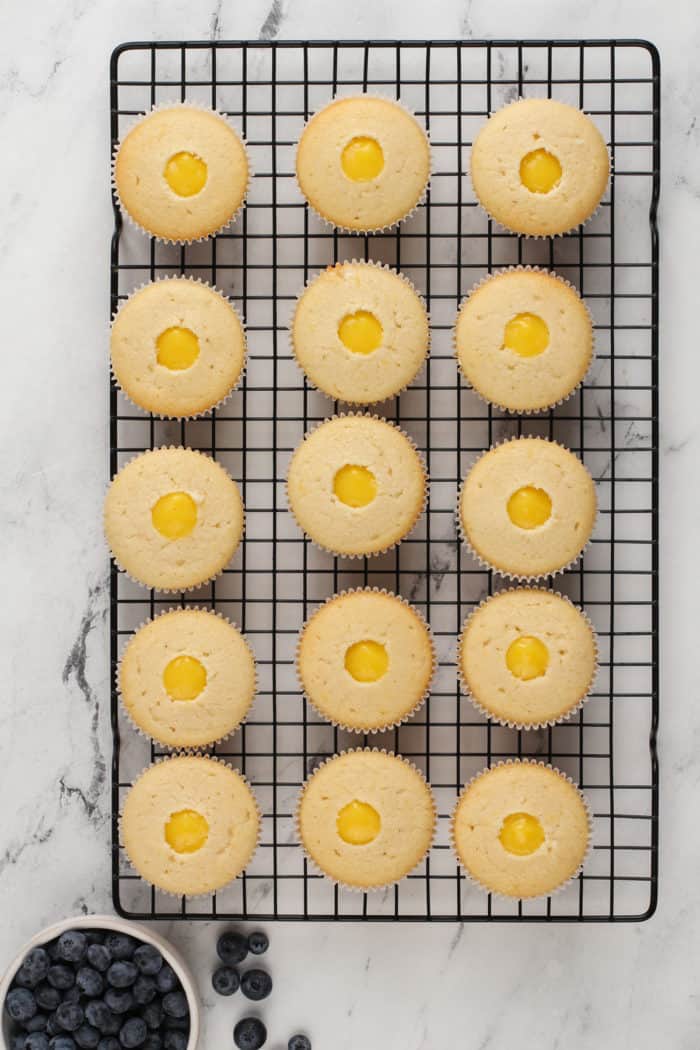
x=313 y=864
x=421 y=700
x=377 y=266
x=509 y=724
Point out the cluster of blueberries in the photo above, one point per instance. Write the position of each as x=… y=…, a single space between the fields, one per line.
x=97 y=990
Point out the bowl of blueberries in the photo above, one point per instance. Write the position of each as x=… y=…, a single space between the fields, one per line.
x=98 y=983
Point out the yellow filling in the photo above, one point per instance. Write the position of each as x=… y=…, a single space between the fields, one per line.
x=540 y=171
x=527 y=658
x=528 y=508
x=355 y=486
x=362 y=159
x=527 y=335
x=360 y=332
x=366 y=661
x=184 y=678
x=358 y=823
x=186 y=831
x=177 y=348
x=185 y=174
x=521 y=834
x=174 y=515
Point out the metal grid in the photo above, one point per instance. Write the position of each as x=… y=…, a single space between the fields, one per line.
x=277 y=578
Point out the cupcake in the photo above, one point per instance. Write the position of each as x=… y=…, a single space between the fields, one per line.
x=521 y=829
x=177 y=347
x=527 y=657
x=365 y=659
x=527 y=508
x=366 y=818
x=360 y=332
x=356 y=485
x=363 y=163
x=524 y=339
x=173 y=518
x=181 y=173
x=187 y=678
x=190 y=825
x=540 y=167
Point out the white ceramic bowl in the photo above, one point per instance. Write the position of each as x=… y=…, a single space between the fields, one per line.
x=107 y=922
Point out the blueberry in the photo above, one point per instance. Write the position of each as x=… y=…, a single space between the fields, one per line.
x=87 y=1037
x=153 y=1015
x=62 y=1042
x=72 y=946
x=109 y=1043
x=34 y=968
x=256 y=984
x=70 y=1016
x=52 y=950
x=258 y=943
x=20 y=1004
x=72 y=995
x=99 y=957
x=144 y=990
x=37 y=1023
x=118 y=1000
x=225 y=980
x=99 y=1015
x=36 y=1041
x=122 y=974
x=120 y=945
x=231 y=948
x=250 y=1034
x=299 y=1042
x=89 y=981
x=18 y=1041
x=175 y=1005
x=175 y=1040
x=166 y=980
x=60 y=976
x=133 y=1033
x=52 y=1026
x=47 y=997
x=148 y=959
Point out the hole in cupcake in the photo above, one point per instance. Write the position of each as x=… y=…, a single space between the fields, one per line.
x=186 y=831
x=184 y=678
x=362 y=159
x=366 y=661
x=177 y=348
x=174 y=515
x=360 y=332
x=358 y=823
x=185 y=173
x=529 y=507
x=526 y=335
x=527 y=658
x=355 y=486
x=540 y=171
x=521 y=834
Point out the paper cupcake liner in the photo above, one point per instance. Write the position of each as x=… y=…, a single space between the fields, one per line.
x=565 y=882
x=313 y=864
x=525 y=268
x=411 y=211
x=424 y=504
x=368 y=731
x=378 y=266
x=241 y=375
x=527 y=725
x=115 y=191
x=190 y=748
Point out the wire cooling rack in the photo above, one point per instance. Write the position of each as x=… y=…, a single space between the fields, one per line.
x=276 y=578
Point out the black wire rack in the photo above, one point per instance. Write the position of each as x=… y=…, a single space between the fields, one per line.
x=276 y=578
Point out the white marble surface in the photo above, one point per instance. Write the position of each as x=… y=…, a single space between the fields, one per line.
x=351 y=987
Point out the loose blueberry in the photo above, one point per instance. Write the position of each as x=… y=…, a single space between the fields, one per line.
x=20 y=1004
x=175 y=1005
x=52 y=1026
x=256 y=985
x=166 y=980
x=70 y=1016
x=225 y=980
x=18 y=1041
x=47 y=997
x=87 y=1037
x=36 y=1041
x=35 y=966
x=89 y=981
x=175 y=1040
x=148 y=959
x=118 y=1000
x=258 y=943
x=62 y=1042
x=72 y=995
x=99 y=1015
x=99 y=957
x=250 y=1034
x=37 y=1023
x=231 y=948
x=60 y=976
x=299 y=1042
x=72 y=946
x=153 y=1015
x=133 y=1033
x=120 y=945
x=122 y=974
x=109 y=1043
x=144 y=990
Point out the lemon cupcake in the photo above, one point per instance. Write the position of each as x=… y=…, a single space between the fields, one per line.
x=360 y=332
x=366 y=818
x=524 y=339
x=356 y=485
x=521 y=829
x=363 y=163
x=540 y=167
x=173 y=518
x=527 y=508
x=178 y=347
x=365 y=659
x=181 y=173
x=190 y=825
x=527 y=657
x=187 y=678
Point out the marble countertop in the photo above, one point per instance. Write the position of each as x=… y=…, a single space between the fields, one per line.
x=408 y=987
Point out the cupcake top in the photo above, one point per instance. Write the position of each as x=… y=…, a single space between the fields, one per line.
x=178 y=347
x=528 y=507
x=363 y=163
x=524 y=339
x=356 y=485
x=360 y=332
x=365 y=660
x=190 y=825
x=527 y=657
x=366 y=818
x=173 y=518
x=181 y=173
x=540 y=167
x=187 y=678
x=521 y=829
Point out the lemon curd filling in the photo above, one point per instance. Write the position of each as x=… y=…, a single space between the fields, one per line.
x=355 y=486
x=177 y=348
x=360 y=332
x=174 y=515
x=186 y=831
x=366 y=661
x=362 y=159
x=527 y=658
x=521 y=834
x=358 y=823
x=540 y=171
x=529 y=507
x=184 y=678
x=185 y=173
x=526 y=335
